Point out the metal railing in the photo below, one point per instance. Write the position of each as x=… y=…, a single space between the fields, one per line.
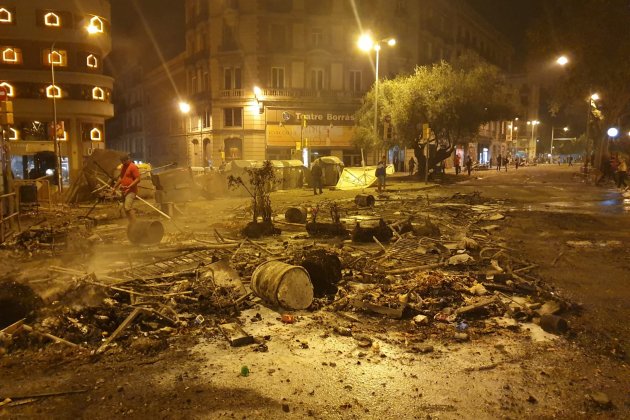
x=44 y=191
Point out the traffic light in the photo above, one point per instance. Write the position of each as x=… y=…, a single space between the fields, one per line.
x=388 y=131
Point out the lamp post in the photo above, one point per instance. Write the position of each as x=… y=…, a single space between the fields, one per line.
x=565 y=129
x=184 y=109
x=366 y=43
x=533 y=124
x=57 y=145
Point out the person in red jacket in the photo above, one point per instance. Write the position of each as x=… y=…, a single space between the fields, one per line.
x=128 y=183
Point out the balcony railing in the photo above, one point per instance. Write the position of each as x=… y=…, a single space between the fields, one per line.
x=310 y=93
x=232 y=93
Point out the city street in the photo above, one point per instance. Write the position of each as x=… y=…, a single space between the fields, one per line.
x=575 y=234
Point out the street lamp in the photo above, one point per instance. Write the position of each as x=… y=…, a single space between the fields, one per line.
x=562 y=60
x=553 y=129
x=366 y=43
x=184 y=107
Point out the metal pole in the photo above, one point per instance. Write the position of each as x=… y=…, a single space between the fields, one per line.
x=55 y=137
x=552 y=138
x=377 y=48
x=588 y=142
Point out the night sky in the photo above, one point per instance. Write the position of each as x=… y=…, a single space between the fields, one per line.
x=165 y=22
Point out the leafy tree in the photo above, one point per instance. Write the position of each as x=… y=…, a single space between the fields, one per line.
x=454 y=99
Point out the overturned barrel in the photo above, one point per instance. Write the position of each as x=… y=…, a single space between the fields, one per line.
x=284 y=285
x=296 y=215
x=364 y=200
x=145 y=232
x=554 y=324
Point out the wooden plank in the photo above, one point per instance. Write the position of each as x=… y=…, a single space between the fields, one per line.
x=235 y=334
x=120 y=329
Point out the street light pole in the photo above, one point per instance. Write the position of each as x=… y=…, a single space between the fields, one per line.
x=57 y=145
x=377 y=48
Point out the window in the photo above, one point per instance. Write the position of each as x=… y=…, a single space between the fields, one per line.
x=11 y=55
x=98 y=94
x=317 y=38
x=278 y=36
x=92 y=61
x=5 y=16
x=96 y=25
x=56 y=57
x=205 y=81
x=96 y=135
x=233 y=117
x=319 y=7
x=232 y=78
x=8 y=88
x=51 y=19
x=193 y=82
x=53 y=92
x=229 y=40
x=277 y=77
x=206 y=119
x=317 y=79
x=355 y=81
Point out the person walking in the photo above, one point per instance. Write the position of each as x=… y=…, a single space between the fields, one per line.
x=128 y=183
x=380 y=174
x=412 y=165
x=622 y=173
x=457 y=163
x=469 y=164
x=570 y=159
x=506 y=160
x=499 y=160
x=517 y=162
x=316 y=177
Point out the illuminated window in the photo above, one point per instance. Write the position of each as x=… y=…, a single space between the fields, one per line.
x=92 y=61
x=53 y=92
x=9 y=89
x=56 y=57
x=52 y=19
x=95 y=135
x=12 y=55
x=96 y=25
x=98 y=94
x=13 y=134
x=5 y=16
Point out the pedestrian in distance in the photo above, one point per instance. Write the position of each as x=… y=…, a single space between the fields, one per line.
x=469 y=164
x=570 y=160
x=622 y=174
x=316 y=177
x=412 y=165
x=506 y=160
x=499 y=161
x=380 y=174
x=128 y=182
x=457 y=163
x=517 y=162
x=614 y=166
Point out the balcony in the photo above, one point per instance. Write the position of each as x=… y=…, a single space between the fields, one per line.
x=232 y=93
x=309 y=93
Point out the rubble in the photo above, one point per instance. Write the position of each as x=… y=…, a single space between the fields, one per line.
x=431 y=267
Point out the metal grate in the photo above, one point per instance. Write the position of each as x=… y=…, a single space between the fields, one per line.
x=179 y=264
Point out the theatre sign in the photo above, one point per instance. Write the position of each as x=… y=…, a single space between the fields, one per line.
x=318 y=128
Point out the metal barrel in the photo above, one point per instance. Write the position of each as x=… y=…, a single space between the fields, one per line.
x=364 y=200
x=296 y=215
x=284 y=285
x=145 y=232
x=554 y=324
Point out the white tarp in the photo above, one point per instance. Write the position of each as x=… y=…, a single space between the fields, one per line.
x=359 y=178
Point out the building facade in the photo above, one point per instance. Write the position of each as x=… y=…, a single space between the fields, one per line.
x=279 y=79
x=64 y=40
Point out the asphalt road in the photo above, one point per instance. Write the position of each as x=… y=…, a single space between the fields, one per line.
x=579 y=235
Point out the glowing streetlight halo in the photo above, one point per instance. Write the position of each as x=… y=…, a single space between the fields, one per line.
x=613 y=132
x=563 y=60
x=184 y=107
x=366 y=42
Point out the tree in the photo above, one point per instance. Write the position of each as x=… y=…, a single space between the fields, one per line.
x=594 y=35
x=454 y=99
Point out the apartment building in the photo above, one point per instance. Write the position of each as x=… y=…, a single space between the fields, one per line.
x=51 y=64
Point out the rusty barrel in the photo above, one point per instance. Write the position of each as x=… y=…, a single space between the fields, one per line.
x=364 y=200
x=145 y=232
x=554 y=324
x=296 y=215
x=284 y=285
